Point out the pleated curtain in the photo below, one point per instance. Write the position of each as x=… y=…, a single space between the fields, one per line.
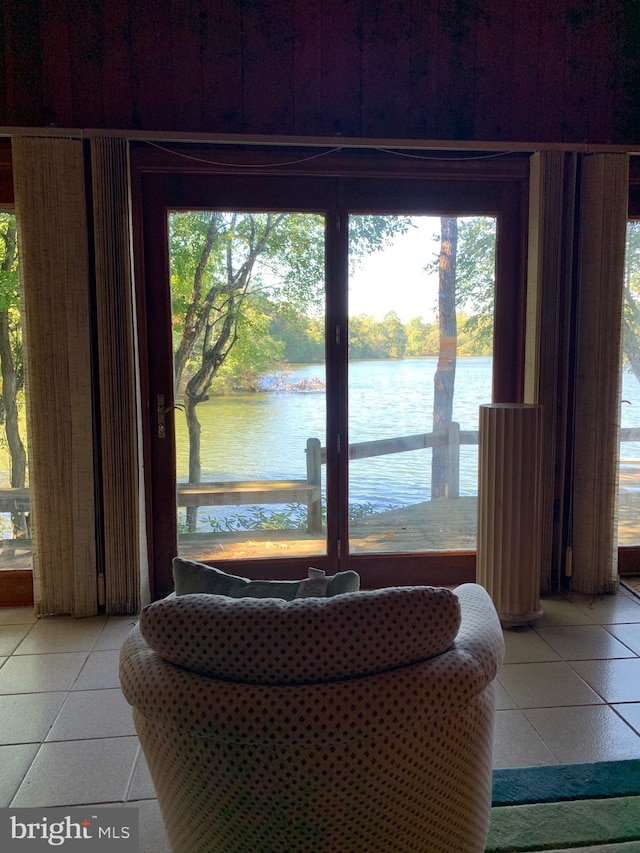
x=54 y=263
x=122 y=509
x=577 y=228
x=602 y=222
x=549 y=283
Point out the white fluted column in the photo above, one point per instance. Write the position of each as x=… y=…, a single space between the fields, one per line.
x=509 y=510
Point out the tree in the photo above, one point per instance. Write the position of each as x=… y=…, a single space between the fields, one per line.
x=476 y=276
x=11 y=356
x=445 y=375
x=364 y=337
x=301 y=335
x=214 y=263
x=255 y=349
x=416 y=333
x=395 y=338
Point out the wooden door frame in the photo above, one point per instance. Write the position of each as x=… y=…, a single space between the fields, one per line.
x=184 y=177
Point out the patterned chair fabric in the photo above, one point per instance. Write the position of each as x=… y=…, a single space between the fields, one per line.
x=352 y=724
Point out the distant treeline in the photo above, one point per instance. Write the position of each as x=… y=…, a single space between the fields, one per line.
x=303 y=337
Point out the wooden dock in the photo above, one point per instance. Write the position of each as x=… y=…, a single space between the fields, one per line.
x=438 y=525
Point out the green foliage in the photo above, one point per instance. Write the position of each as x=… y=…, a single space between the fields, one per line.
x=254 y=351
x=187 y=238
x=220 y=260
x=302 y=336
x=9 y=276
x=283 y=255
x=12 y=404
x=9 y=283
x=10 y=303
x=274 y=335
x=293 y=517
x=422 y=338
x=475 y=282
x=476 y=275
x=369 y=338
x=227 y=267
x=365 y=337
x=10 y=293
x=278 y=317
x=394 y=335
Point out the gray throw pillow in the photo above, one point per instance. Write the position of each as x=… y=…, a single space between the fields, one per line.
x=193 y=577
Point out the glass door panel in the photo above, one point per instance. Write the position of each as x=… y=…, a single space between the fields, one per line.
x=420 y=365
x=629 y=472
x=15 y=515
x=247 y=304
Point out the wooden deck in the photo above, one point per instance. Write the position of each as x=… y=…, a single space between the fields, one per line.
x=439 y=525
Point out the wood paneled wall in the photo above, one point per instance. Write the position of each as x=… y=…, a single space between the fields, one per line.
x=530 y=70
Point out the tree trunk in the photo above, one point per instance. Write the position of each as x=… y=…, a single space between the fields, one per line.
x=193 y=426
x=444 y=379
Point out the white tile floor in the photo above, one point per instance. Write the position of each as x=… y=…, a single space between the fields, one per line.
x=569 y=691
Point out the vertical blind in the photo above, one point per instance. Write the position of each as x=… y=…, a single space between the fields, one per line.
x=604 y=193
x=120 y=514
x=54 y=263
x=573 y=358
x=547 y=338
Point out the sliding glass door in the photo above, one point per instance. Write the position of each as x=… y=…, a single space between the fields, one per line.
x=318 y=347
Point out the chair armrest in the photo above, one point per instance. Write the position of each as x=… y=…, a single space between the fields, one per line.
x=480 y=631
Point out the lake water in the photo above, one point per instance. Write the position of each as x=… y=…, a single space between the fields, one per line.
x=263 y=436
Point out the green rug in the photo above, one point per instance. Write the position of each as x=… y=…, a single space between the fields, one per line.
x=567 y=807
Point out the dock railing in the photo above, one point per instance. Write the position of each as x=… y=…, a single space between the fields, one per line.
x=452 y=438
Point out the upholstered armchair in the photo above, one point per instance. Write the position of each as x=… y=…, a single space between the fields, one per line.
x=358 y=723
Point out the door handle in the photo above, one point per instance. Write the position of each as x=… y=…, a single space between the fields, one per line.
x=161 y=411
